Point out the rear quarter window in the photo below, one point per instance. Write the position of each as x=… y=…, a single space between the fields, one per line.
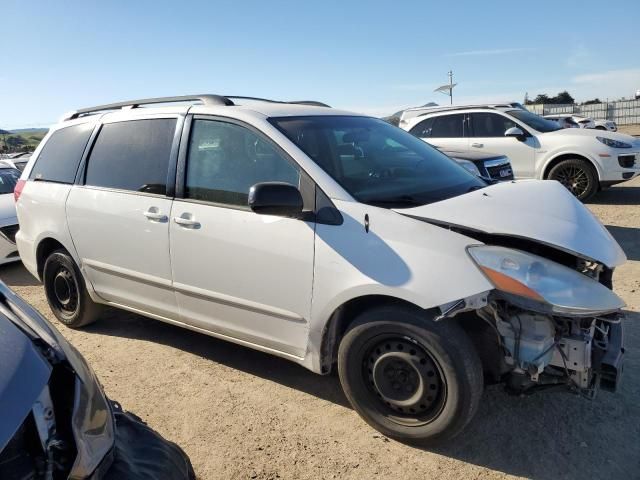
x=60 y=156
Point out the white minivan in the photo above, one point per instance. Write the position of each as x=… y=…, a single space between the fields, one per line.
x=327 y=238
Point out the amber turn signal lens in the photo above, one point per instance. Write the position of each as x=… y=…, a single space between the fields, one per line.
x=507 y=284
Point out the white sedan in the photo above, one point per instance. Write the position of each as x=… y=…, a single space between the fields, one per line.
x=8 y=219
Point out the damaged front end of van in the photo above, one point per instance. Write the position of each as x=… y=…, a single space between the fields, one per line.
x=552 y=320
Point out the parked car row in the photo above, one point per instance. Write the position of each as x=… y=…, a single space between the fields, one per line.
x=583 y=160
x=336 y=240
x=566 y=120
x=16 y=160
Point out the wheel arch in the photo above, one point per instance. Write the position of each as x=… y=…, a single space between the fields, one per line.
x=343 y=316
x=567 y=156
x=45 y=247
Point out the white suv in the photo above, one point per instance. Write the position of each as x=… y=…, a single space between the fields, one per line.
x=583 y=160
x=324 y=237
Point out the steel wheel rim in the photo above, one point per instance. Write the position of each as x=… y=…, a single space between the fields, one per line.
x=65 y=291
x=575 y=179
x=406 y=381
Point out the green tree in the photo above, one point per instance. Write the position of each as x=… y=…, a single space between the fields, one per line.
x=563 y=97
x=542 y=98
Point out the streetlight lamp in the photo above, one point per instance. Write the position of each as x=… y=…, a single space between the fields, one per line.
x=448 y=89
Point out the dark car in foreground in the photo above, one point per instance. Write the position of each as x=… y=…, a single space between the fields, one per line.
x=55 y=420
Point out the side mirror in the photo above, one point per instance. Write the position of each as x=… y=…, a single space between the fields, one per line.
x=515 y=132
x=276 y=198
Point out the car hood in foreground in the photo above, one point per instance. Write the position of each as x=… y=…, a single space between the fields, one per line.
x=23 y=375
x=540 y=210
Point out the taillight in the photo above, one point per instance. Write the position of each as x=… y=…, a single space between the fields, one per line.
x=18 y=189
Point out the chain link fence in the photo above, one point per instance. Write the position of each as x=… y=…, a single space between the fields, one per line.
x=624 y=112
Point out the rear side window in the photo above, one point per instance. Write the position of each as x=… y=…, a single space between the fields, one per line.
x=59 y=159
x=423 y=129
x=448 y=126
x=132 y=155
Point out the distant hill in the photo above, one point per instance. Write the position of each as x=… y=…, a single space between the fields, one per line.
x=20 y=140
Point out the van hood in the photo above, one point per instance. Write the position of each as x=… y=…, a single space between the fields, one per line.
x=540 y=210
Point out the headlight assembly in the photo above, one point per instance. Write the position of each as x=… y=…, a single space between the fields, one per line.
x=613 y=143
x=532 y=280
x=469 y=166
x=92 y=422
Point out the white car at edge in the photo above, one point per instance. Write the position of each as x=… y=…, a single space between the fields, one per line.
x=8 y=219
x=584 y=160
x=328 y=238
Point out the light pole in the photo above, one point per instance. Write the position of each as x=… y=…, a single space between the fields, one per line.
x=447 y=89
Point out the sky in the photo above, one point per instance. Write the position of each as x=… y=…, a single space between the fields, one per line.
x=371 y=56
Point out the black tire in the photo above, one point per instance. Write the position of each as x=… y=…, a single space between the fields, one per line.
x=435 y=365
x=578 y=175
x=600 y=127
x=67 y=293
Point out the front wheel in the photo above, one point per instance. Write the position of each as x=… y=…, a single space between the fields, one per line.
x=578 y=176
x=409 y=377
x=66 y=291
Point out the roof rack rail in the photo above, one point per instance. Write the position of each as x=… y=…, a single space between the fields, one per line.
x=313 y=103
x=206 y=99
x=414 y=112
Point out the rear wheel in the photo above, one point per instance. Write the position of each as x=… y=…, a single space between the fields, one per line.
x=600 y=127
x=66 y=291
x=578 y=176
x=409 y=377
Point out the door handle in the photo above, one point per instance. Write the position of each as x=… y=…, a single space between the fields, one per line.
x=477 y=145
x=155 y=215
x=187 y=220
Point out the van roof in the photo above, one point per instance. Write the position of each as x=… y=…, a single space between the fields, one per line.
x=265 y=106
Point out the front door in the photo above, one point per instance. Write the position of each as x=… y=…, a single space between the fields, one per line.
x=119 y=218
x=487 y=135
x=236 y=273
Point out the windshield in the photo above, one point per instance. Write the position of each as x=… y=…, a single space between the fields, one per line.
x=8 y=179
x=378 y=163
x=535 y=121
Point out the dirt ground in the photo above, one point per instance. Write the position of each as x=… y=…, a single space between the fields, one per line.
x=239 y=413
x=630 y=129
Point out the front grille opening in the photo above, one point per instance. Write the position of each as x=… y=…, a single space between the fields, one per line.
x=494 y=171
x=626 y=161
